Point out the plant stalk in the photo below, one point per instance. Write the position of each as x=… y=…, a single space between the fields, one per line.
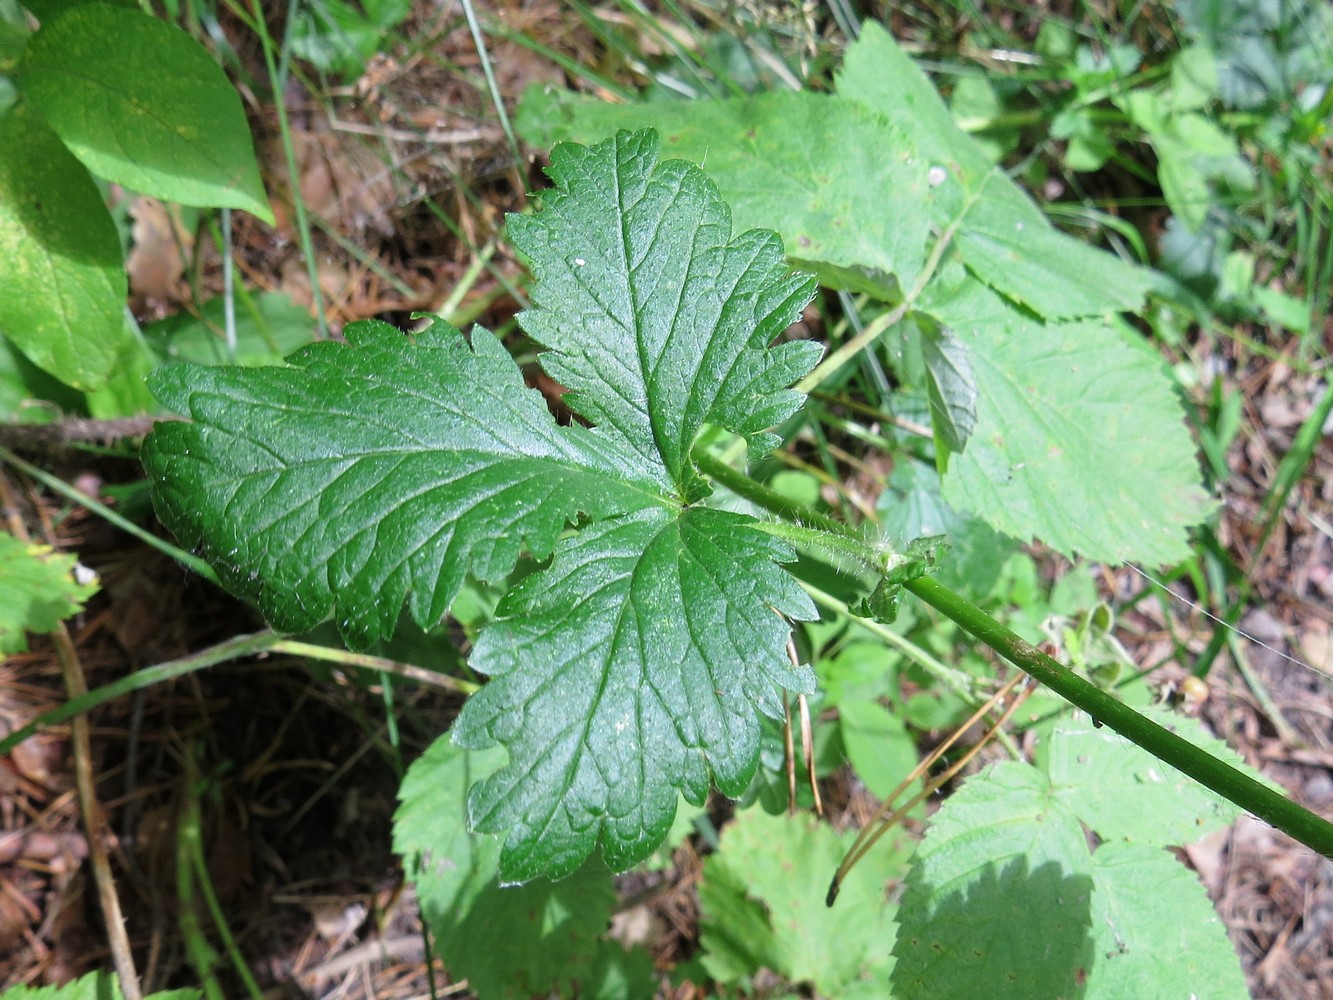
x=1270 y=806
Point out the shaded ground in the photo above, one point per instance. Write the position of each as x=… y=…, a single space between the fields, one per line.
x=292 y=768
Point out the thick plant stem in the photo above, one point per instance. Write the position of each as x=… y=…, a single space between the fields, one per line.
x=1270 y=806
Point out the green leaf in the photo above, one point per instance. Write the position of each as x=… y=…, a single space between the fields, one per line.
x=62 y=300
x=334 y=35
x=510 y=942
x=171 y=126
x=1155 y=930
x=999 y=893
x=1007 y=889
x=126 y=393
x=1099 y=773
x=656 y=320
x=878 y=746
x=372 y=473
x=93 y=986
x=584 y=644
x=772 y=875
x=950 y=383
x=269 y=326
x=39 y=588
x=1063 y=414
x=1002 y=237
x=382 y=471
x=853 y=183
x=841 y=186
x=28 y=394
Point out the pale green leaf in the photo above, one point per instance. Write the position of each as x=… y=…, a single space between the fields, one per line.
x=171 y=126
x=62 y=299
x=510 y=942
x=125 y=393
x=853 y=183
x=1157 y=934
x=269 y=326
x=382 y=471
x=777 y=869
x=39 y=588
x=878 y=746
x=1099 y=775
x=1007 y=884
x=1078 y=441
x=841 y=186
x=1002 y=237
x=999 y=894
x=28 y=394
x=93 y=986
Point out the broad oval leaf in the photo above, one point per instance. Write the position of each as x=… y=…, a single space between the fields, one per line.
x=141 y=103
x=62 y=298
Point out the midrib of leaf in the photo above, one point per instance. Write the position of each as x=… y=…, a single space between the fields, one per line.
x=647 y=377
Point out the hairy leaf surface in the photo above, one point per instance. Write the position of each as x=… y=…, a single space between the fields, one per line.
x=371 y=473
x=1007 y=887
x=1060 y=450
x=379 y=472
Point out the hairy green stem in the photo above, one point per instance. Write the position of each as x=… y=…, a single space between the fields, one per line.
x=1227 y=781
x=1203 y=767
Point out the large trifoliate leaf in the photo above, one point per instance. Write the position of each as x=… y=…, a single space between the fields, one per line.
x=1038 y=402
x=384 y=470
